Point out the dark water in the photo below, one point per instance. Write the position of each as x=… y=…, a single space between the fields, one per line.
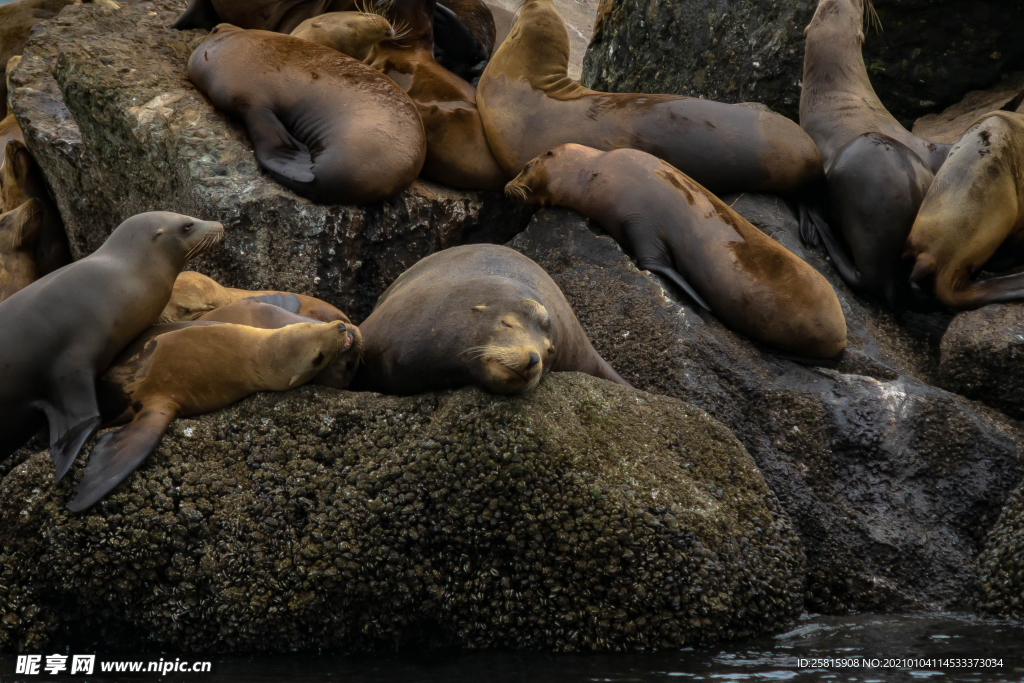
x=768 y=658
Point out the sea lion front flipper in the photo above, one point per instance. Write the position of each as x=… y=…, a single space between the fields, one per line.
x=118 y=454
x=679 y=281
x=198 y=14
x=840 y=259
x=456 y=48
x=275 y=148
x=74 y=416
x=288 y=302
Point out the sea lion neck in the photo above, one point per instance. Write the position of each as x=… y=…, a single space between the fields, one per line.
x=834 y=58
x=537 y=51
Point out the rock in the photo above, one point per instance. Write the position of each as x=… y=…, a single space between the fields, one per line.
x=890 y=482
x=584 y=516
x=16 y=21
x=951 y=123
x=929 y=54
x=118 y=129
x=1001 y=565
x=981 y=357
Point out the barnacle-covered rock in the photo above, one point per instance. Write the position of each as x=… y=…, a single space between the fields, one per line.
x=583 y=516
x=1001 y=564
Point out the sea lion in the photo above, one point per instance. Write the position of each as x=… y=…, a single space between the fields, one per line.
x=9 y=128
x=324 y=125
x=974 y=206
x=503 y=20
x=21 y=180
x=257 y=313
x=458 y=154
x=196 y=295
x=16 y=21
x=19 y=229
x=479 y=314
x=282 y=16
x=529 y=105
x=59 y=333
x=464 y=36
x=676 y=228
x=194 y=370
x=876 y=171
x=352 y=33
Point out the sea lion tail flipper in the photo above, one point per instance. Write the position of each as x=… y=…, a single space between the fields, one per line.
x=74 y=416
x=118 y=454
x=840 y=259
x=275 y=148
x=672 y=275
x=198 y=14
x=811 y=225
x=288 y=302
x=1013 y=104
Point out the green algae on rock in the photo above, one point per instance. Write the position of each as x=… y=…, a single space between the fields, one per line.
x=584 y=516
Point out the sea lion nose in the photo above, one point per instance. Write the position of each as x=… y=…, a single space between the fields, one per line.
x=390 y=32
x=534 y=359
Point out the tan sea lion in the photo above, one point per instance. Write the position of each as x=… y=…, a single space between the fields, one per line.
x=192 y=370
x=324 y=125
x=195 y=295
x=351 y=33
x=256 y=313
x=16 y=21
x=877 y=172
x=676 y=228
x=529 y=105
x=20 y=180
x=458 y=154
x=479 y=314
x=19 y=229
x=62 y=331
x=9 y=128
x=974 y=206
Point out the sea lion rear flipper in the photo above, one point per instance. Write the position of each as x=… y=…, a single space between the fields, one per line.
x=288 y=302
x=275 y=148
x=198 y=14
x=811 y=225
x=676 y=278
x=74 y=416
x=835 y=250
x=118 y=454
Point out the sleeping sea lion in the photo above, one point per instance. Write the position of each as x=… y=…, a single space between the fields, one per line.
x=191 y=370
x=59 y=333
x=19 y=229
x=256 y=313
x=974 y=206
x=458 y=154
x=282 y=16
x=676 y=228
x=529 y=105
x=351 y=33
x=479 y=314
x=9 y=128
x=877 y=172
x=21 y=180
x=324 y=125
x=195 y=295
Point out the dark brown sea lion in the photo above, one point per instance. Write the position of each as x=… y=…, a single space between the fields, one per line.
x=282 y=16
x=974 y=206
x=458 y=154
x=481 y=315
x=351 y=33
x=19 y=229
x=257 y=313
x=464 y=36
x=196 y=295
x=21 y=180
x=676 y=228
x=324 y=125
x=877 y=172
x=16 y=21
x=192 y=370
x=530 y=105
x=59 y=333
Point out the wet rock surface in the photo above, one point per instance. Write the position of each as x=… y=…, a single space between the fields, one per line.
x=118 y=129
x=1001 y=564
x=949 y=124
x=891 y=483
x=928 y=56
x=585 y=516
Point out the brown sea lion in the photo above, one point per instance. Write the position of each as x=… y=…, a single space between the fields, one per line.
x=464 y=36
x=529 y=105
x=62 y=331
x=351 y=33
x=9 y=128
x=192 y=370
x=324 y=125
x=256 y=313
x=16 y=21
x=19 y=229
x=877 y=172
x=974 y=206
x=676 y=228
x=21 y=180
x=458 y=154
x=282 y=16
x=479 y=314
x=196 y=295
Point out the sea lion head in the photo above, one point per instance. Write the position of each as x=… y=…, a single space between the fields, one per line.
x=510 y=342
x=339 y=374
x=842 y=19
x=19 y=229
x=352 y=33
x=193 y=295
x=553 y=174
x=163 y=236
x=295 y=354
x=17 y=177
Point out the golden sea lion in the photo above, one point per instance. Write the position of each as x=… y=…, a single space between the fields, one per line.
x=19 y=229
x=9 y=128
x=352 y=33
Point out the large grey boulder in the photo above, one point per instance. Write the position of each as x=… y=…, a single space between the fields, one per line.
x=928 y=55
x=584 y=516
x=890 y=482
x=118 y=129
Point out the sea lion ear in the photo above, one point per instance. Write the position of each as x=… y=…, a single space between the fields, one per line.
x=157 y=233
